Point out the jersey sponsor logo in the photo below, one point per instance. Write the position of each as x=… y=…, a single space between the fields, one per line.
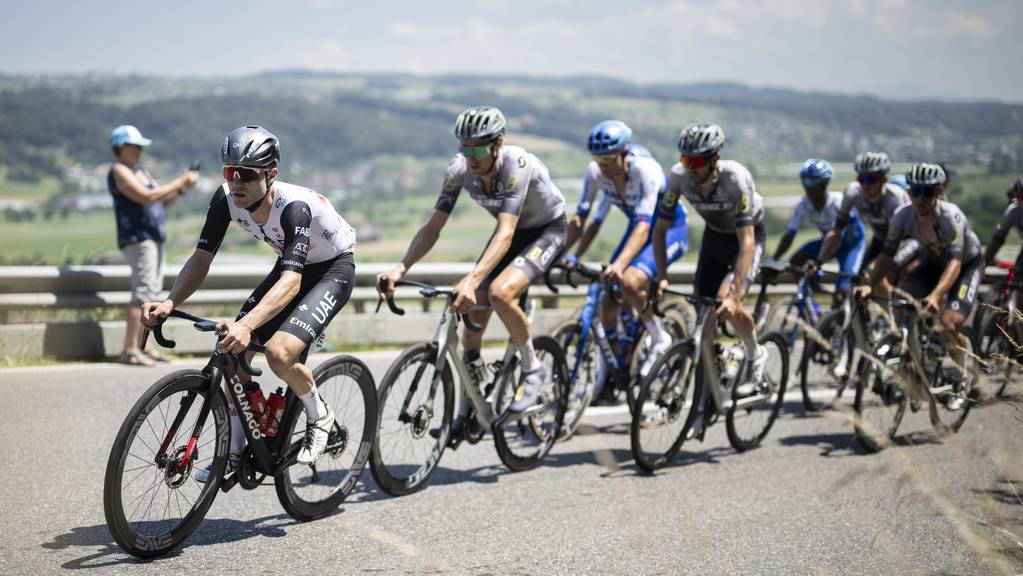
x=280 y=202
x=203 y=242
x=327 y=234
x=243 y=222
x=512 y=182
x=301 y=231
x=519 y=262
x=323 y=308
x=450 y=184
x=301 y=248
x=521 y=161
x=535 y=253
x=293 y=263
x=303 y=325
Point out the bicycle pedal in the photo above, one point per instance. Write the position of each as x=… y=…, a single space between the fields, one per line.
x=229 y=482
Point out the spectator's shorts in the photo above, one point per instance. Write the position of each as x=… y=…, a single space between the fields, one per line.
x=146 y=261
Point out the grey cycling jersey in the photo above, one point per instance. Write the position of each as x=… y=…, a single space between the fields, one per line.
x=733 y=202
x=877 y=214
x=1011 y=218
x=303 y=227
x=642 y=186
x=521 y=186
x=950 y=239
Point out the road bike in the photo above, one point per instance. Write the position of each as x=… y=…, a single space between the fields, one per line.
x=417 y=399
x=151 y=500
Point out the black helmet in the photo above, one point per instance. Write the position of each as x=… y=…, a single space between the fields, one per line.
x=1016 y=189
x=251 y=147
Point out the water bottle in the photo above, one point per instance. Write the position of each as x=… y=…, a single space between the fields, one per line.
x=734 y=358
x=271 y=421
x=255 y=395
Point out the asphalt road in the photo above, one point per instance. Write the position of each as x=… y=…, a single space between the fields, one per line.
x=806 y=502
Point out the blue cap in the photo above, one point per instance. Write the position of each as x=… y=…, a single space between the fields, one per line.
x=128 y=134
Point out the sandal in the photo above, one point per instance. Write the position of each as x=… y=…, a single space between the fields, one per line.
x=136 y=358
x=156 y=355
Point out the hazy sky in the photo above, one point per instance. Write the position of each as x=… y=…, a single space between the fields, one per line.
x=905 y=48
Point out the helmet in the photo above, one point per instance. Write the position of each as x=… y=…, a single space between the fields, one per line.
x=1016 y=189
x=701 y=139
x=480 y=123
x=899 y=180
x=814 y=171
x=609 y=137
x=871 y=162
x=251 y=147
x=925 y=174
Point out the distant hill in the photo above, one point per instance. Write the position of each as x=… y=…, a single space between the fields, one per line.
x=335 y=121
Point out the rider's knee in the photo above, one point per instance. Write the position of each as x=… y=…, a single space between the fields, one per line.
x=634 y=282
x=502 y=297
x=280 y=357
x=952 y=320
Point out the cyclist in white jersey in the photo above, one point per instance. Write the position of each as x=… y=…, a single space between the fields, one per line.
x=822 y=209
x=516 y=188
x=309 y=284
x=630 y=179
x=949 y=266
x=723 y=193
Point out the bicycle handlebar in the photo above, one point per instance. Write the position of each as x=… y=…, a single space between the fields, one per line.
x=202 y=325
x=426 y=291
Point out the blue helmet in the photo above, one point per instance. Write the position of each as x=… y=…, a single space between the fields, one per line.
x=815 y=171
x=609 y=137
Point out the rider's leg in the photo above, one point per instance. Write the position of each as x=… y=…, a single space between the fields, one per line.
x=504 y=296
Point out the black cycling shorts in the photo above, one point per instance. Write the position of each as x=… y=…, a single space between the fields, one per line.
x=718 y=252
x=926 y=273
x=325 y=289
x=532 y=250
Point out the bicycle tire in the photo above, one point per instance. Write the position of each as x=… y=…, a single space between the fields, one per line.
x=156 y=403
x=580 y=392
x=676 y=325
x=953 y=419
x=524 y=443
x=817 y=358
x=763 y=413
x=392 y=472
x=881 y=401
x=664 y=408
x=306 y=492
x=998 y=351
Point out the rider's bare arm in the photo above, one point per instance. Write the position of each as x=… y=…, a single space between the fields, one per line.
x=783 y=245
x=637 y=239
x=660 y=247
x=948 y=277
x=832 y=241
x=424 y=239
x=747 y=246
x=588 y=235
x=191 y=276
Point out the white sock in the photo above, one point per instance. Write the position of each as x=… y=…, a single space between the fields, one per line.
x=314 y=406
x=653 y=327
x=528 y=355
x=237 y=431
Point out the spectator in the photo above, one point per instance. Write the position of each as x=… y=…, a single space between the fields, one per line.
x=139 y=205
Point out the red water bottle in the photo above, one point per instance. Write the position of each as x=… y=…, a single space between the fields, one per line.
x=255 y=395
x=273 y=414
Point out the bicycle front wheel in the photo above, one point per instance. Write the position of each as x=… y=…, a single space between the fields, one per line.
x=523 y=444
x=826 y=362
x=880 y=396
x=308 y=492
x=750 y=418
x=414 y=424
x=677 y=326
x=582 y=370
x=955 y=385
x=150 y=499
x=664 y=407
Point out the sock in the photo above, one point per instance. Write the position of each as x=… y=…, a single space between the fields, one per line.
x=237 y=431
x=653 y=327
x=528 y=355
x=314 y=406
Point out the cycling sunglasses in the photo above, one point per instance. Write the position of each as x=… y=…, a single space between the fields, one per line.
x=606 y=160
x=695 y=162
x=477 y=152
x=923 y=191
x=812 y=183
x=245 y=175
x=868 y=179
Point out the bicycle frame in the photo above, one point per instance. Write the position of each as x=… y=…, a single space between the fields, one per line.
x=590 y=320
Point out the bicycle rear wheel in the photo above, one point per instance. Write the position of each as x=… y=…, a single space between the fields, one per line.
x=1000 y=350
x=750 y=419
x=826 y=362
x=880 y=400
x=150 y=499
x=957 y=395
x=522 y=444
x=583 y=366
x=664 y=405
x=405 y=453
x=311 y=492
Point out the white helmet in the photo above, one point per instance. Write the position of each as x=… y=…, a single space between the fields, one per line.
x=872 y=162
x=925 y=174
x=701 y=139
x=480 y=123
